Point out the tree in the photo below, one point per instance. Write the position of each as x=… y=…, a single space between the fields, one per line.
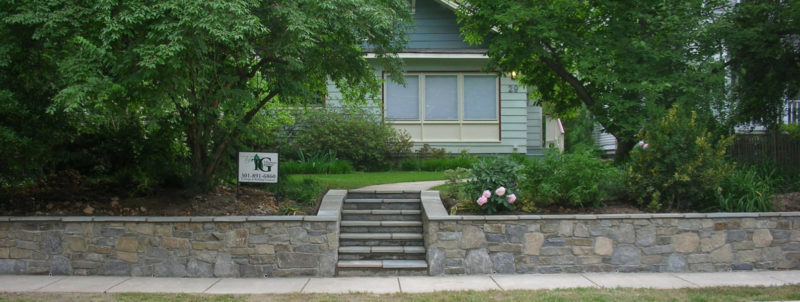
x=762 y=41
x=627 y=61
x=190 y=65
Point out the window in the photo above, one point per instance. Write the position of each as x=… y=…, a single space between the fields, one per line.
x=445 y=106
x=405 y=100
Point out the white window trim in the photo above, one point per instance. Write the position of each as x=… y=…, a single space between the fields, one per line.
x=461 y=121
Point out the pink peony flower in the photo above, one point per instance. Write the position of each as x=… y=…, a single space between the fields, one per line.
x=641 y=143
x=645 y=146
x=487 y=194
x=500 y=191
x=512 y=198
x=482 y=201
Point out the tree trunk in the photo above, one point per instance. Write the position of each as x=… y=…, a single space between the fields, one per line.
x=624 y=148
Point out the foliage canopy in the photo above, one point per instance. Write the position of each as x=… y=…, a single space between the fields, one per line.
x=192 y=77
x=627 y=61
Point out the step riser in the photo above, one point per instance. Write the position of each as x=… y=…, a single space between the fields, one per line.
x=402 y=208
x=381 y=206
x=360 y=272
x=387 y=242
x=346 y=229
x=368 y=217
x=381 y=256
x=357 y=195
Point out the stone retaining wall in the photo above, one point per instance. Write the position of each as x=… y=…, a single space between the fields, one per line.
x=608 y=243
x=230 y=246
x=279 y=246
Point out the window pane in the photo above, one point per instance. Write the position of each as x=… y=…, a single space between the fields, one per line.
x=402 y=103
x=441 y=98
x=480 y=98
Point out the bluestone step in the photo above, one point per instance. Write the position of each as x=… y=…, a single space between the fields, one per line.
x=379 y=236
x=388 y=264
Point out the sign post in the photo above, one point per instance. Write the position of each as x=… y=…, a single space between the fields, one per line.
x=257 y=167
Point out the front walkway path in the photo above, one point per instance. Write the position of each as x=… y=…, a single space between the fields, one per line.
x=107 y=284
x=408 y=186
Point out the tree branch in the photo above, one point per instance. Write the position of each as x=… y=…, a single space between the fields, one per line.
x=573 y=82
x=224 y=141
x=252 y=113
x=261 y=63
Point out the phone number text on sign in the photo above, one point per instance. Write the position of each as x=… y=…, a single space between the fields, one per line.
x=258 y=167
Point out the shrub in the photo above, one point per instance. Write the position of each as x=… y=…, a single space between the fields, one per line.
x=304 y=191
x=454 y=187
x=577 y=179
x=745 y=190
x=793 y=130
x=678 y=164
x=465 y=160
x=494 y=184
x=326 y=164
x=426 y=151
x=358 y=137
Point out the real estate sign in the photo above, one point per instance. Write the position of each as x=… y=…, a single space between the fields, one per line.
x=258 y=167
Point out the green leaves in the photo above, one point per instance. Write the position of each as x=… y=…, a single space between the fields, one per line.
x=764 y=58
x=617 y=58
x=682 y=166
x=189 y=65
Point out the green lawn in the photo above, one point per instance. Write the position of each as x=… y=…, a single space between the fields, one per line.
x=780 y=293
x=362 y=179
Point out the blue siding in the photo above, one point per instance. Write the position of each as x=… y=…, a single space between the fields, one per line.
x=435 y=27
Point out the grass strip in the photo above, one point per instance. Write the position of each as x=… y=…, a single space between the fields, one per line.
x=761 y=293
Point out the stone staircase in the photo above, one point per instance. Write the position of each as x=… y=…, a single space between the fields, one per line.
x=381 y=234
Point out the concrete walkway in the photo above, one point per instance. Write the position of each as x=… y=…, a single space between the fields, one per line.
x=409 y=186
x=107 y=284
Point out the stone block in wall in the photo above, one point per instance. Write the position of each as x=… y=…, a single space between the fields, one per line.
x=626 y=255
x=584 y=260
x=714 y=242
x=224 y=266
x=762 y=238
x=60 y=265
x=686 y=242
x=128 y=257
x=116 y=268
x=472 y=237
x=645 y=235
x=498 y=228
x=506 y=247
x=736 y=236
x=675 y=263
x=170 y=268
x=297 y=260
x=603 y=246
x=175 y=243
x=565 y=228
x=127 y=244
x=478 y=262
x=581 y=230
x=625 y=233
x=74 y=244
x=51 y=243
x=533 y=243
x=516 y=233
x=723 y=254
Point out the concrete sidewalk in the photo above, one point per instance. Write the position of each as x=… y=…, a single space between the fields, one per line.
x=102 y=284
x=408 y=186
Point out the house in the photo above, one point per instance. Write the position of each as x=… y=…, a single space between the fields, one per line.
x=449 y=101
